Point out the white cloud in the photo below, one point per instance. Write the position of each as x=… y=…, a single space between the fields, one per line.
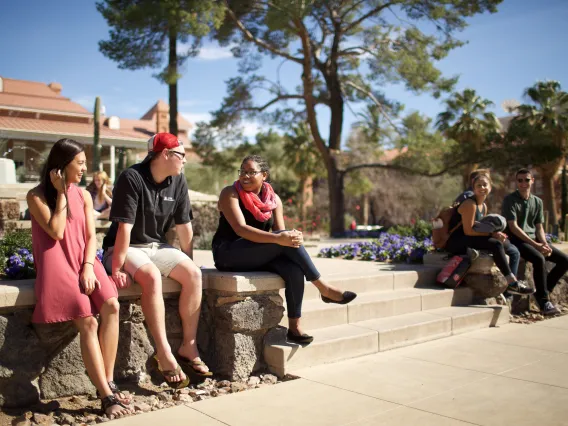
x=192 y=103
x=214 y=53
x=196 y=117
x=250 y=128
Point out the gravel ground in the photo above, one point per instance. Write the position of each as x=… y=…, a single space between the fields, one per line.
x=85 y=409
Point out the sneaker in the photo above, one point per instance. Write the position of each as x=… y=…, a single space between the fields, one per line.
x=473 y=254
x=519 y=287
x=549 y=309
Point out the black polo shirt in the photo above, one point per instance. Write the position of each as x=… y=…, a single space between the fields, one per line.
x=152 y=208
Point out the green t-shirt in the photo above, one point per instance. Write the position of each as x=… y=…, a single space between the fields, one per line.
x=527 y=213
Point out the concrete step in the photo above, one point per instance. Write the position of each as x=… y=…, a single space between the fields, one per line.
x=340 y=342
x=397 y=278
x=316 y=314
x=330 y=344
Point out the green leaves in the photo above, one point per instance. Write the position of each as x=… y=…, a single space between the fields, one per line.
x=139 y=30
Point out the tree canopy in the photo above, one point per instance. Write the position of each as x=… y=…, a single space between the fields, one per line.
x=345 y=51
x=147 y=33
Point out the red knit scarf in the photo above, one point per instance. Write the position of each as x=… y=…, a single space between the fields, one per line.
x=260 y=209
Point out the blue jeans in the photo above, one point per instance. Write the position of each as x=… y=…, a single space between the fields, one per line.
x=292 y=264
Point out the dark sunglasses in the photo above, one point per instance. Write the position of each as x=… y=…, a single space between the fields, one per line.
x=527 y=180
x=181 y=154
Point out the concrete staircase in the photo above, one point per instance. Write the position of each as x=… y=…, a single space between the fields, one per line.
x=393 y=309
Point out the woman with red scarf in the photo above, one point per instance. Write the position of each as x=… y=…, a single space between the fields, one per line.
x=251 y=237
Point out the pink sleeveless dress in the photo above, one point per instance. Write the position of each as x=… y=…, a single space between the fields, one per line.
x=59 y=295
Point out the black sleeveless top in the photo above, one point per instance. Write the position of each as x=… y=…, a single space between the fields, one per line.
x=225 y=231
x=457 y=217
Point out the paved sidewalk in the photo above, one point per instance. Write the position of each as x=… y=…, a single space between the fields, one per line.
x=512 y=375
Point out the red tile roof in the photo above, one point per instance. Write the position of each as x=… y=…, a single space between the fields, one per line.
x=34 y=95
x=65 y=128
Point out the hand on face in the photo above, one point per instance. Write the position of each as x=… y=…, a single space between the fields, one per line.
x=57 y=180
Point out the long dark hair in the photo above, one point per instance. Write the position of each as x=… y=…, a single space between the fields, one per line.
x=61 y=154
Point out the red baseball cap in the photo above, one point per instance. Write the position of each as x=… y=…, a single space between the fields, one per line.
x=159 y=142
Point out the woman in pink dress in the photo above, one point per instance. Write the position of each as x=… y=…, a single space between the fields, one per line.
x=71 y=283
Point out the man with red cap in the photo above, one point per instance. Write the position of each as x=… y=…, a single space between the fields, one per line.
x=149 y=199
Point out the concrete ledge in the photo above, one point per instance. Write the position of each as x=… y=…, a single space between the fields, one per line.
x=20 y=293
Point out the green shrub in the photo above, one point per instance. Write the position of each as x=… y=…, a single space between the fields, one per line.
x=203 y=241
x=205 y=218
x=420 y=230
x=11 y=243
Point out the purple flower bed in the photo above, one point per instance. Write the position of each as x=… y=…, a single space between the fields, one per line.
x=389 y=247
x=20 y=265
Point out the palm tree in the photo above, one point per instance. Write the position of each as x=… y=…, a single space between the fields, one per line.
x=546 y=113
x=467 y=122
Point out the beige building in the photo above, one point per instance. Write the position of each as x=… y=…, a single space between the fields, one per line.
x=33 y=116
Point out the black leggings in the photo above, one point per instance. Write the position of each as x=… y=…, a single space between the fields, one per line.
x=543 y=282
x=458 y=244
x=292 y=264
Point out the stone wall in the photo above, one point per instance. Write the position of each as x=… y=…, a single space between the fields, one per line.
x=44 y=361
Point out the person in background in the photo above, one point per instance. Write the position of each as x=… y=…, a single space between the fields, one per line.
x=251 y=237
x=75 y=286
x=472 y=210
x=525 y=219
x=100 y=191
x=468 y=193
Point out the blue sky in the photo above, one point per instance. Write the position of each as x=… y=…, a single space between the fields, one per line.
x=58 y=41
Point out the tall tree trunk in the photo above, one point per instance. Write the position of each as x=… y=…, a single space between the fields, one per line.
x=335 y=181
x=366 y=209
x=306 y=189
x=548 y=173
x=564 y=195
x=96 y=135
x=172 y=83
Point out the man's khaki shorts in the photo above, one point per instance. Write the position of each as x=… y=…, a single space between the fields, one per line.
x=164 y=256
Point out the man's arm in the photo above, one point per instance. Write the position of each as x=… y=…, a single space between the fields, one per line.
x=185 y=235
x=541 y=237
x=519 y=233
x=119 y=255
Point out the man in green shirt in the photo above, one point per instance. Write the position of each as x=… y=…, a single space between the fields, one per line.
x=525 y=218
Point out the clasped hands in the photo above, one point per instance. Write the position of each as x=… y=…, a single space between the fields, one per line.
x=293 y=238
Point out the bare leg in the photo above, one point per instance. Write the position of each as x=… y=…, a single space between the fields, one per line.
x=149 y=278
x=93 y=359
x=108 y=338
x=108 y=335
x=189 y=276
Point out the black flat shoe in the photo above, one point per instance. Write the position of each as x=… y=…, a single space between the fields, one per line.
x=348 y=296
x=296 y=338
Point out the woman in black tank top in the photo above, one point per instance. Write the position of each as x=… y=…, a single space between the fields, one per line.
x=472 y=210
x=251 y=237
